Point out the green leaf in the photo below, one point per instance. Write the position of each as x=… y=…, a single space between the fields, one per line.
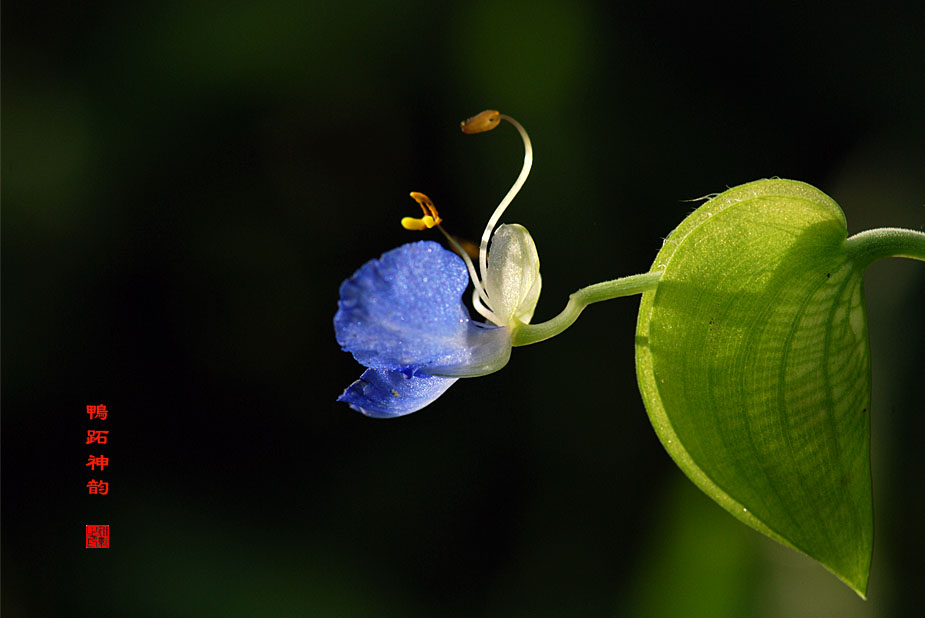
x=753 y=362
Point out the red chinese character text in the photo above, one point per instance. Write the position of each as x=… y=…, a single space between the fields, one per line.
x=97 y=536
x=99 y=412
x=102 y=461
x=96 y=436
x=98 y=487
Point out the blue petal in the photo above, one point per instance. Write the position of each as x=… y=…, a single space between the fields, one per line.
x=404 y=312
x=387 y=394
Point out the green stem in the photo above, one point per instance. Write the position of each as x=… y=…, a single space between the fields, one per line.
x=625 y=286
x=872 y=245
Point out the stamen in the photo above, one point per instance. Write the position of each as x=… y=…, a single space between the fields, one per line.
x=478 y=292
x=480 y=123
x=484 y=311
x=429 y=220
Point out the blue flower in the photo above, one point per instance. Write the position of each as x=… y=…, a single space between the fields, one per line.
x=403 y=318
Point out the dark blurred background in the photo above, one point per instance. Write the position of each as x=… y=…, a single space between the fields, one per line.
x=186 y=184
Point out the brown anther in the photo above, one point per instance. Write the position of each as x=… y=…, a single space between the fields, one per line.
x=485 y=121
x=471 y=248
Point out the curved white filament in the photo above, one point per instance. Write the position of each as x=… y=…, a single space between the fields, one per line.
x=512 y=192
x=478 y=291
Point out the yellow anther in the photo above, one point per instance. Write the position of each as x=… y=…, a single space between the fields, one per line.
x=486 y=121
x=430 y=218
x=416 y=225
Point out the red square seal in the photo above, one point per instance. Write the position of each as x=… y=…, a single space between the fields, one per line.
x=97 y=536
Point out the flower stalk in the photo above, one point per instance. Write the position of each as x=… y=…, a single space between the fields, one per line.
x=871 y=245
x=526 y=334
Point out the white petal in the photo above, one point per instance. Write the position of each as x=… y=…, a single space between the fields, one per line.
x=513 y=280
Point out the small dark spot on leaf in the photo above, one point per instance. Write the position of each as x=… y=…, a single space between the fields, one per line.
x=827 y=275
x=864 y=411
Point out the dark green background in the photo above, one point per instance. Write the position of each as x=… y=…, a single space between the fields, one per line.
x=185 y=185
